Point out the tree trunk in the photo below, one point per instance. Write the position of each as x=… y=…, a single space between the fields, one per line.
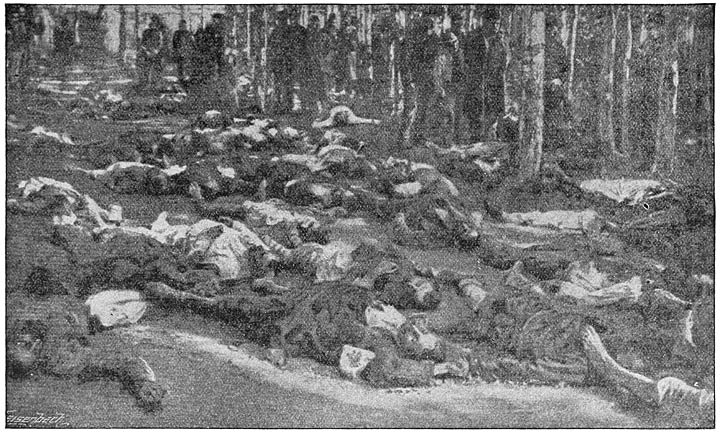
x=531 y=120
x=689 y=105
x=505 y=39
x=182 y=11
x=122 y=33
x=368 y=40
x=571 y=60
x=625 y=123
x=136 y=29
x=667 y=104
x=394 y=75
x=237 y=72
x=565 y=29
x=305 y=15
x=235 y=24
x=643 y=27
x=263 y=60
x=248 y=41
x=606 y=123
x=708 y=102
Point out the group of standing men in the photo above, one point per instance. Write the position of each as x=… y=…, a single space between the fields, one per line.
x=22 y=24
x=197 y=56
x=452 y=68
x=320 y=60
x=459 y=71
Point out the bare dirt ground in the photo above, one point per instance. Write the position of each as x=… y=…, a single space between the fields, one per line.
x=217 y=379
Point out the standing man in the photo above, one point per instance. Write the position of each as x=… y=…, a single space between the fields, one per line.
x=383 y=34
x=485 y=57
x=18 y=38
x=421 y=49
x=313 y=82
x=330 y=63
x=494 y=68
x=650 y=72
x=350 y=50
x=214 y=36
x=458 y=80
x=280 y=63
x=63 y=40
x=150 y=55
x=297 y=39
x=182 y=50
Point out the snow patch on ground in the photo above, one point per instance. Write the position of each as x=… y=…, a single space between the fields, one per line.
x=448 y=397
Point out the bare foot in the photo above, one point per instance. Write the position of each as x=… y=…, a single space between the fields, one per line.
x=150 y=395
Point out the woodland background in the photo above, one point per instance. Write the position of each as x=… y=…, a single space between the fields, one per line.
x=638 y=80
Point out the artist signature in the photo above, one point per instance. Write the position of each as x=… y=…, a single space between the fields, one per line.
x=13 y=419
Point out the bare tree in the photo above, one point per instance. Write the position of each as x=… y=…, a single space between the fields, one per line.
x=122 y=33
x=571 y=60
x=531 y=119
x=565 y=29
x=264 y=59
x=667 y=100
x=625 y=86
x=136 y=29
x=607 y=82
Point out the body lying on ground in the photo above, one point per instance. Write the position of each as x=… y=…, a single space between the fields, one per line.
x=341 y=116
x=51 y=335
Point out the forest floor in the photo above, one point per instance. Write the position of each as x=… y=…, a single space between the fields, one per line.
x=218 y=379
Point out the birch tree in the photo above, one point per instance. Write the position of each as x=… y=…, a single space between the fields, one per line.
x=531 y=119
x=667 y=101
x=263 y=60
x=565 y=29
x=571 y=59
x=136 y=29
x=625 y=86
x=607 y=82
x=122 y=33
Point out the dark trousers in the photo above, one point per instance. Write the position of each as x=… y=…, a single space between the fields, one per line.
x=183 y=67
x=413 y=122
x=283 y=91
x=455 y=101
x=150 y=70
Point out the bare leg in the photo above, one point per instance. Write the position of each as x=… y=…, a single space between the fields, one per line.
x=610 y=371
x=110 y=356
x=672 y=394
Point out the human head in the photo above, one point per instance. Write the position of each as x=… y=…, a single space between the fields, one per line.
x=155 y=21
x=450 y=40
x=655 y=22
x=491 y=19
x=217 y=19
x=282 y=17
x=314 y=22
x=22 y=349
x=457 y=20
x=332 y=20
x=182 y=25
x=435 y=15
x=293 y=14
x=437 y=24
